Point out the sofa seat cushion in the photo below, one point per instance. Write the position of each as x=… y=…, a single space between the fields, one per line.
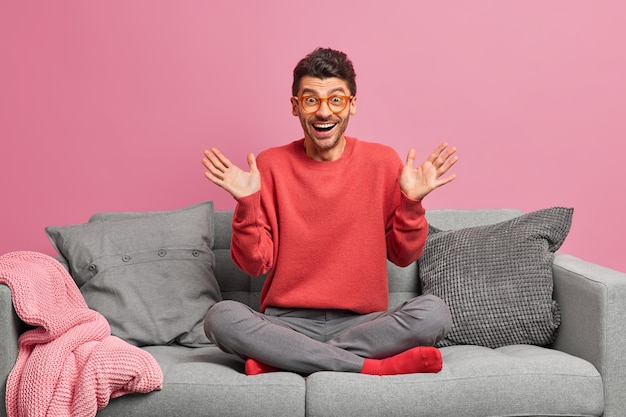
x=206 y=381
x=520 y=380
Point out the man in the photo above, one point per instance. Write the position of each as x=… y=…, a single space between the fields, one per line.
x=321 y=215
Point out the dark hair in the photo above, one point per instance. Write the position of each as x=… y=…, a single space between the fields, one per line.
x=325 y=63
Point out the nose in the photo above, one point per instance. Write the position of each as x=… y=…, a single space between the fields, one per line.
x=324 y=110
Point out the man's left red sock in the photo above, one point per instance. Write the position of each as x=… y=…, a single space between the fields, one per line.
x=421 y=359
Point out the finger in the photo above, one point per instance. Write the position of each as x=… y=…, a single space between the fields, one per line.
x=252 y=162
x=449 y=163
x=214 y=165
x=213 y=178
x=448 y=153
x=216 y=159
x=445 y=160
x=221 y=157
x=216 y=172
x=206 y=161
x=434 y=156
x=410 y=158
x=446 y=180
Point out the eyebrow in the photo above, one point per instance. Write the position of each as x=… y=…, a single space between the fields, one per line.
x=331 y=92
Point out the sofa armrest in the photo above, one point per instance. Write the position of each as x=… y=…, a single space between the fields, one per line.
x=592 y=300
x=10 y=328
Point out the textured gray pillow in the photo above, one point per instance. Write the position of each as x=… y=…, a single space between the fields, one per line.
x=150 y=274
x=497 y=279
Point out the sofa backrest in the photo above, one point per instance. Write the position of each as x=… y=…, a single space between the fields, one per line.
x=403 y=282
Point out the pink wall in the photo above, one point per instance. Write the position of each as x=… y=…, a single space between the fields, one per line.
x=108 y=105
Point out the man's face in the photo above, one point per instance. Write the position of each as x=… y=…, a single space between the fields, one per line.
x=323 y=129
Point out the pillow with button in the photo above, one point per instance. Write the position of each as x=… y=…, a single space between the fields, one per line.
x=151 y=274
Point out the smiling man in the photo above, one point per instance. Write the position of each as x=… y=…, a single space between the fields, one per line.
x=323 y=125
x=321 y=216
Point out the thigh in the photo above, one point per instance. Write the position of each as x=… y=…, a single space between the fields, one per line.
x=276 y=340
x=420 y=321
x=309 y=322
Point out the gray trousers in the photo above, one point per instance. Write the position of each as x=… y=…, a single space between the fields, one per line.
x=308 y=340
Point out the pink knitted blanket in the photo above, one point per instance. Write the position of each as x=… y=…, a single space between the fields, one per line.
x=69 y=365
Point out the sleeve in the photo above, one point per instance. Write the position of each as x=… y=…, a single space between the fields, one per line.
x=252 y=247
x=406 y=228
x=407 y=236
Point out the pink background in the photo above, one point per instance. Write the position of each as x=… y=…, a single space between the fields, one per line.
x=109 y=105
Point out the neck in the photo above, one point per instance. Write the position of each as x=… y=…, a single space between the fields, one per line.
x=325 y=155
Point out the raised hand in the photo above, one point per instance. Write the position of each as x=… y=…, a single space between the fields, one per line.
x=418 y=182
x=230 y=177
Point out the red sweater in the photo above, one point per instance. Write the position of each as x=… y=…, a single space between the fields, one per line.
x=324 y=230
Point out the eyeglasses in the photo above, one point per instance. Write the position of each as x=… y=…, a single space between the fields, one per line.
x=336 y=104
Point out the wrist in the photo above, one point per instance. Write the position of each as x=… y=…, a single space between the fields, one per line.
x=411 y=205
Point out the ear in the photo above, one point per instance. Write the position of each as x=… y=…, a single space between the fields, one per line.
x=353 y=106
x=295 y=107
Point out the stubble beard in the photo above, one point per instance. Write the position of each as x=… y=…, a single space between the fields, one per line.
x=331 y=142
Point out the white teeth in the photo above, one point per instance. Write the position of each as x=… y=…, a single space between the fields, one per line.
x=324 y=125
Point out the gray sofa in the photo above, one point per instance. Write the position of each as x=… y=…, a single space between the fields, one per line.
x=583 y=373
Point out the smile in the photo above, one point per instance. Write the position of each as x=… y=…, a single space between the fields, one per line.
x=323 y=127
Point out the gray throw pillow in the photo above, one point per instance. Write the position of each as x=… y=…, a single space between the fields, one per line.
x=497 y=279
x=150 y=274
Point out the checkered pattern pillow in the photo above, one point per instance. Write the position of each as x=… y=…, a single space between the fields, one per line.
x=497 y=279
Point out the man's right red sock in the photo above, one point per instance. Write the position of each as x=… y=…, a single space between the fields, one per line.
x=421 y=359
x=254 y=367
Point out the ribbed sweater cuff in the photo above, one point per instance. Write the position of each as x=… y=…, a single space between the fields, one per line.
x=248 y=206
x=411 y=209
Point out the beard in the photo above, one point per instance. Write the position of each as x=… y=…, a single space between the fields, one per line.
x=325 y=139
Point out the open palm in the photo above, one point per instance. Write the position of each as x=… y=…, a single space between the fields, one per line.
x=418 y=182
x=229 y=176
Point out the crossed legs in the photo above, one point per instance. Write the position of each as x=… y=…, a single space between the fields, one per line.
x=306 y=341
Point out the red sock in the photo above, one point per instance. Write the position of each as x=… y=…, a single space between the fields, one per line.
x=421 y=359
x=254 y=367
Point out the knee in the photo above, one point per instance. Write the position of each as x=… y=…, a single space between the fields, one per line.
x=220 y=319
x=440 y=313
x=435 y=312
